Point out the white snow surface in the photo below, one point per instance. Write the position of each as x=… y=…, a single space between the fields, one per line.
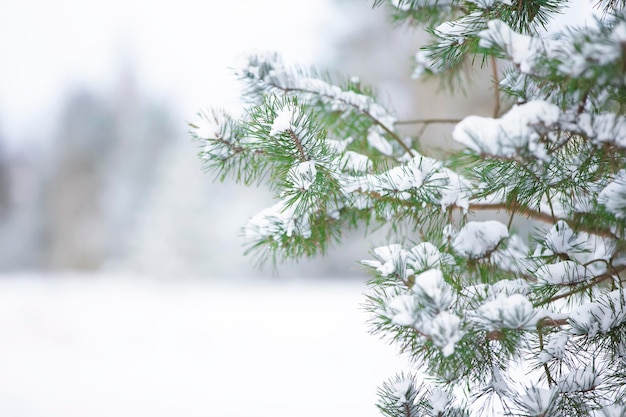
x=377 y=141
x=562 y=240
x=206 y=127
x=425 y=256
x=458 y=30
x=403 y=309
x=606 y=128
x=419 y=259
x=281 y=77
x=577 y=55
x=215 y=129
x=514 y=257
x=615 y=410
x=101 y=347
x=521 y=49
x=415 y=173
x=355 y=162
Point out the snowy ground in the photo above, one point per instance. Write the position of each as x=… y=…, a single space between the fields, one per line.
x=98 y=346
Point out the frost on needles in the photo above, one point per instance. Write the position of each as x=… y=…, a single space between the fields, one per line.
x=495 y=322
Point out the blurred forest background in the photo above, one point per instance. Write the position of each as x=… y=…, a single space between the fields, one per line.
x=112 y=183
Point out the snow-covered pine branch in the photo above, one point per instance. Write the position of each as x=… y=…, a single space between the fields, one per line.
x=495 y=320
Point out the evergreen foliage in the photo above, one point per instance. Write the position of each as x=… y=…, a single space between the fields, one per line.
x=495 y=323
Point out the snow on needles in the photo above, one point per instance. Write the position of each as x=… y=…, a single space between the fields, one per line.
x=613 y=196
x=555 y=348
x=523 y=50
x=277 y=221
x=401 y=390
x=215 y=130
x=478 y=239
x=507 y=312
x=431 y=286
x=303 y=175
x=576 y=54
x=519 y=130
x=284 y=119
x=608 y=312
x=580 y=380
x=539 y=401
x=394 y=259
x=266 y=73
x=420 y=172
x=563 y=273
x=390 y=259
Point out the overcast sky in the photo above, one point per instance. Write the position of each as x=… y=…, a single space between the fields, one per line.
x=180 y=49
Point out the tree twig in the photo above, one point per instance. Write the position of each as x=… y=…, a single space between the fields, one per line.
x=596 y=280
x=496 y=83
x=295 y=138
x=537 y=215
x=428 y=121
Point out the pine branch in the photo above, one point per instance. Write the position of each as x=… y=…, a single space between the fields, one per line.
x=363 y=111
x=595 y=281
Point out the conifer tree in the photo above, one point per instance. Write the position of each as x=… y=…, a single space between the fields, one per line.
x=496 y=323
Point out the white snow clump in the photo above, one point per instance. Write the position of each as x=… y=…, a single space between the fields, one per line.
x=518 y=130
x=555 y=348
x=403 y=309
x=276 y=222
x=600 y=316
x=613 y=196
x=478 y=239
x=433 y=291
x=563 y=273
x=389 y=259
x=401 y=390
x=445 y=331
x=507 y=312
x=302 y=175
x=580 y=380
x=285 y=119
x=539 y=401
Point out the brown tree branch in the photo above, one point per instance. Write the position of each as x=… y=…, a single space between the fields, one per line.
x=295 y=138
x=539 y=216
x=428 y=121
x=494 y=67
x=595 y=281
